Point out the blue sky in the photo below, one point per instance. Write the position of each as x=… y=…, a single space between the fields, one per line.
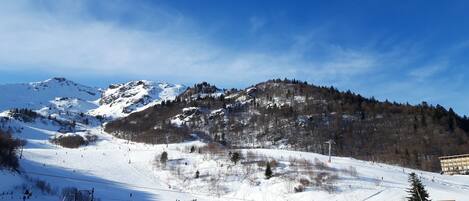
x=398 y=50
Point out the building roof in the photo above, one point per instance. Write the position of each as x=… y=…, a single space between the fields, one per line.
x=454 y=156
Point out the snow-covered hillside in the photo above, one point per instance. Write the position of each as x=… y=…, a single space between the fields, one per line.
x=37 y=95
x=121 y=170
x=121 y=99
x=117 y=169
x=64 y=99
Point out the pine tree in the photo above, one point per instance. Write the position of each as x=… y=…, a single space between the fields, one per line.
x=164 y=157
x=451 y=117
x=192 y=149
x=268 y=171
x=417 y=190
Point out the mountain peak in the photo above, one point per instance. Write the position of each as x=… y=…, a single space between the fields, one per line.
x=59 y=79
x=124 y=98
x=60 y=82
x=36 y=95
x=55 y=80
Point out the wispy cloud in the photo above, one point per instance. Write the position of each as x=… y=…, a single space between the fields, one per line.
x=425 y=72
x=65 y=38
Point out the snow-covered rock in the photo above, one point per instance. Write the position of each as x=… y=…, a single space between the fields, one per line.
x=119 y=100
x=64 y=99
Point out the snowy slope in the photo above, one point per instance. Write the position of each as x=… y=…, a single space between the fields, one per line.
x=117 y=168
x=64 y=99
x=37 y=95
x=121 y=99
x=66 y=104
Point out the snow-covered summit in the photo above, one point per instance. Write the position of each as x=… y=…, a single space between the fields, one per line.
x=36 y=95
x=63 y=98
x=121 y=99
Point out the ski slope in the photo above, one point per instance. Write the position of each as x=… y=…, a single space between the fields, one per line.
x=117 y=169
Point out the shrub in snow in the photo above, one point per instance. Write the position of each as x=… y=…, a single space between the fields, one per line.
x=299 y=188
x=73 y=140
x=69 y=141
x=8 y=149
x=44 y=187
x=235 y=157
x=326 y=181
x=305 y=182
x=214 y=148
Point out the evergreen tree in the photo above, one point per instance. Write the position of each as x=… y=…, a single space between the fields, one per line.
x=417 y=190
x=192 y=149
x=451 y=117
x=268 y=171
x=164 y=157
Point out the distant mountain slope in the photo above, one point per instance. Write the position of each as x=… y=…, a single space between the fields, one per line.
x=62 y=98
x=36 y=95
x=296 y=115
x=119 y=100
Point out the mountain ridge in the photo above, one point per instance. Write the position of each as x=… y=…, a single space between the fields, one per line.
x=287 y=114
x=60 y=95
x=296 y=115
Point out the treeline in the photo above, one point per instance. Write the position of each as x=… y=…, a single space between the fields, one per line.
x=24 y=114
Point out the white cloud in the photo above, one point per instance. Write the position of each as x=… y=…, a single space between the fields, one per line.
x=65 y=39
x=164 y=44
x=425 y=72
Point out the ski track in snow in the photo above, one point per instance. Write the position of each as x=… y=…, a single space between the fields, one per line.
x=105 y=166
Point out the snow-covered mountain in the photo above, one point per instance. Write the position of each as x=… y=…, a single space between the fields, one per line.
x=36 y=95
x=64 y=99
x=118 y=169
x=119 y=100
